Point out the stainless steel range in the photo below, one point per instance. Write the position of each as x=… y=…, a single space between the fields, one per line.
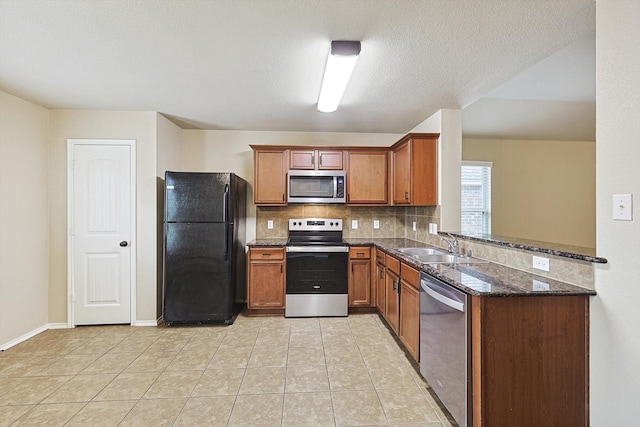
x=317 y=268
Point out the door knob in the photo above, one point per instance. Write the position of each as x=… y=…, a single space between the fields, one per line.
x=124 y=243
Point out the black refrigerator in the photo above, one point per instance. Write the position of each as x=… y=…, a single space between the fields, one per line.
x=204 y=256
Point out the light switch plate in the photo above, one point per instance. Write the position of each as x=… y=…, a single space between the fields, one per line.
x=414 y=226
x=433 y=228
x=354 y=224
x=376 y=224
x=622 y=207
x=270 y=224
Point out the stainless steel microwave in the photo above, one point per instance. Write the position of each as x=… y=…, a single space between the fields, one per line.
x=305 y=186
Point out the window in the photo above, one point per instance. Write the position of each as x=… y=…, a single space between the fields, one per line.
x=476 y=198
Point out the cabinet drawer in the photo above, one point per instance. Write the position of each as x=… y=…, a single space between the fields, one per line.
x=410 y=275
x=266 y=253
x=393 y=264
x=360 y=252
x=380 y=257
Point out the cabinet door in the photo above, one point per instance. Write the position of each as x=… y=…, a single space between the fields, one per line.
x=424 y=176
x=302 y=159
x=402 y=174
x=392 y=299
x=330 y=160
x=266 y=284
x=380 y=289
x=367 y=177
x=415 y=170
x=270 y=170
x=360 y=283
x=410 y=318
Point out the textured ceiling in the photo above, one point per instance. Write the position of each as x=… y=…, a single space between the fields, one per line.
x=257 y=64
x=553 y=100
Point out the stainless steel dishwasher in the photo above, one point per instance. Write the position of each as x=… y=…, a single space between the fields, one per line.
x=445 y=351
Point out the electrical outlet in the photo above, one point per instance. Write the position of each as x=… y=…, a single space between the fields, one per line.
x=433 y=228
x=540 y=286
x=376 y=224
x=414 y=226
x=354 y=224
x=270 y=224
x=540 y=263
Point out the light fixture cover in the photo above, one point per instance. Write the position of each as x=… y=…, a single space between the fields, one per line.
x=340 y=63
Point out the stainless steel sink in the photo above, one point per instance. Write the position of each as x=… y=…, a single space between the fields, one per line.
x=436 y=256
x=417 y=252
x=448 y=259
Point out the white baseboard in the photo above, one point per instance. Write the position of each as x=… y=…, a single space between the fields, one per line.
x=146 y=323
x=24 y=337
x=57 y=326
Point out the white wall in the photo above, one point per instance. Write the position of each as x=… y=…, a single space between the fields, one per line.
x=169 y=155
x=229 y=151
x=24 y=265
x=615 y=311
x=168 y=158
x=448 y=123
x=140 y=126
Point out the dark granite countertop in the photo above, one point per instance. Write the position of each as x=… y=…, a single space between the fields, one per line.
x=485 y=279
x=557 y=249
x=268 y=242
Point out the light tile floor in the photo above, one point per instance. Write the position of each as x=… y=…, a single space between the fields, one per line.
x=261 y=371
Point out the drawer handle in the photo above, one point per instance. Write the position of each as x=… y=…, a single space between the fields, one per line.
x=359 y=253
x=316 y=286
x=266 y=255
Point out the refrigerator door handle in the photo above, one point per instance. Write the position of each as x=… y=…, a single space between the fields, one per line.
x=225 y=202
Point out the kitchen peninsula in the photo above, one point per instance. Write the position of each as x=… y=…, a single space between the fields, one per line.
x=528 y=334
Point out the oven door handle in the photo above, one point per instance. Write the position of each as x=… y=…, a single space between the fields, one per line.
x=318 y=249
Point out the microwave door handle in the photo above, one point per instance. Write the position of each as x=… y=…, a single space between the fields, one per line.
x=335 y=186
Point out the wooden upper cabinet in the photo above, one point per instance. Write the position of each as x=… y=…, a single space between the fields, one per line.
x=414 y=163
x=270 y=173
x=367 y=177
x=315 y=159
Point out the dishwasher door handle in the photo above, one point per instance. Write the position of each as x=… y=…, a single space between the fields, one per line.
x=456 y=305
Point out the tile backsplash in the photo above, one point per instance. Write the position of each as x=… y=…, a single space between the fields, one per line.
x=397 y=222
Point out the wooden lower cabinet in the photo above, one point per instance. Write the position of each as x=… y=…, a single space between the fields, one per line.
x=360 y=286
x=530 y=361
x=380 y=289
x=266 y=281
x=392 y=293
x=409 y=328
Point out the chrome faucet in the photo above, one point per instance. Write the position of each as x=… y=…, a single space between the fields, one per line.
x=453 y=243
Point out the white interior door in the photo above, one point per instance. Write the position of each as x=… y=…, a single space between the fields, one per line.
x=101 y=232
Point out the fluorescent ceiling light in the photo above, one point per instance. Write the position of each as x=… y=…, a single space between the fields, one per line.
x=342 y=58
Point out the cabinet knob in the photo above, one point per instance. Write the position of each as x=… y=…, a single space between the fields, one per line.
x=124 y=243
